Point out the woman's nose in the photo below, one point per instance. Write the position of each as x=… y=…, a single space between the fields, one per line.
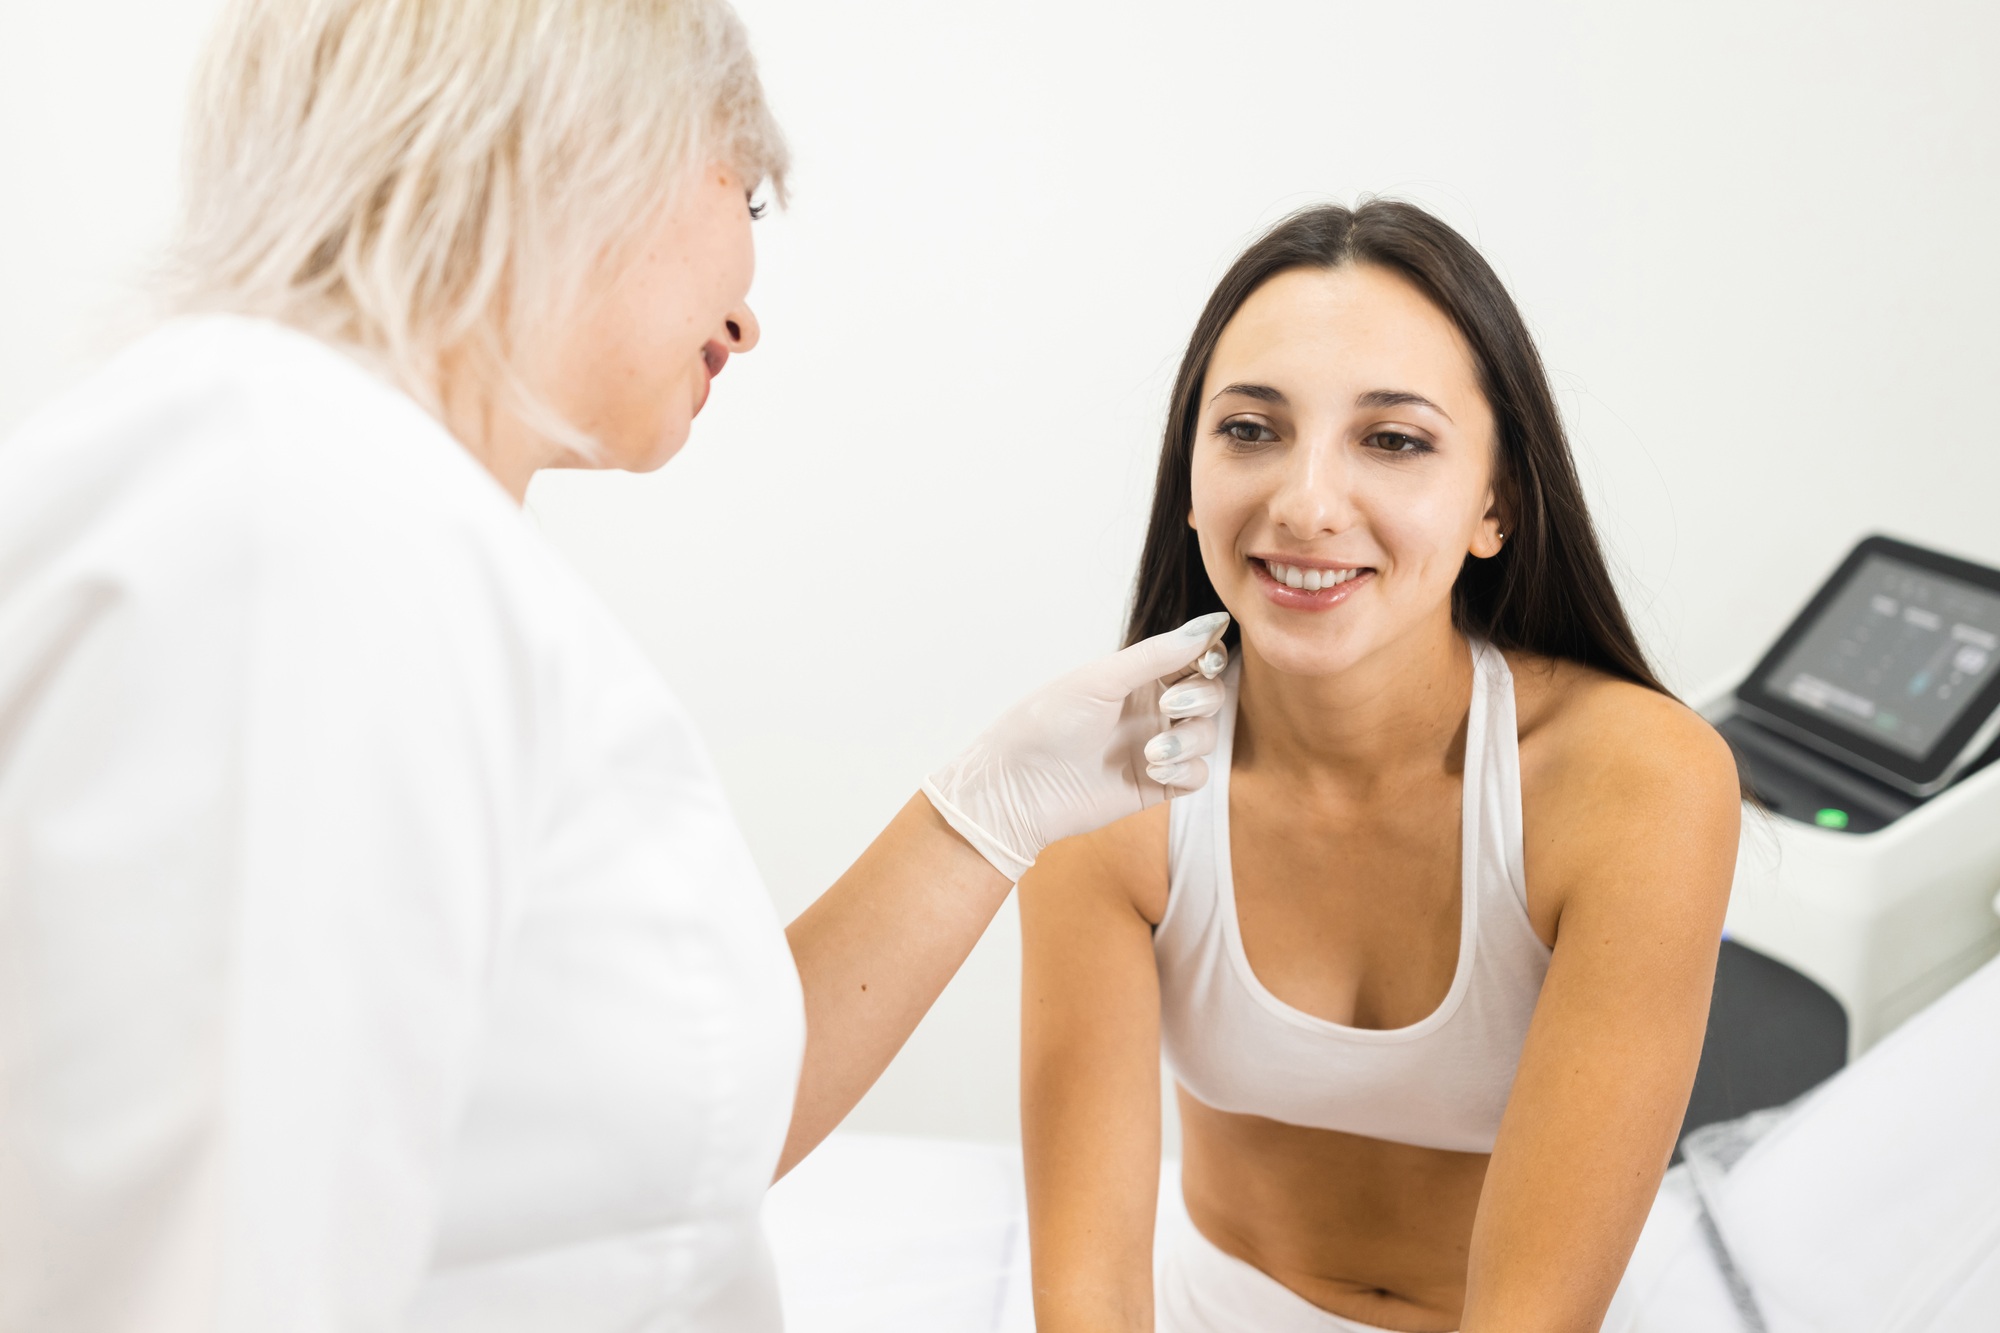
x=1313 y=498
x=741 y=328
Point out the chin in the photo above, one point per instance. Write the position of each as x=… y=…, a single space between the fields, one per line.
x=667 y=442
x=1293 y=659
x=1304 y=650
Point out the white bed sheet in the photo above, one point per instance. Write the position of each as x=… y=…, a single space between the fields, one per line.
x=895 y=1235
x=906 y=1235
x=1874 y=1207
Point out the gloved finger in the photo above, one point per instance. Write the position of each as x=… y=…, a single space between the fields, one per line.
x=1209 y=665
x=1185 y=776
x=1197 y=696
x=1213 y=662
x=1184 y=740
x=1149 y=660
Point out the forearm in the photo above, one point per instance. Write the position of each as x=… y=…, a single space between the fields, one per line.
x=1540 y=1275
x=874 y=952
x=1090 y=1226
x=1083 y=1303
x=1090 y=1135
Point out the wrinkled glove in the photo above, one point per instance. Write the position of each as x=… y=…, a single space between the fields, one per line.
x=1108 y=740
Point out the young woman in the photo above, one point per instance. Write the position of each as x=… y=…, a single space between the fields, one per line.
x=1430 y=954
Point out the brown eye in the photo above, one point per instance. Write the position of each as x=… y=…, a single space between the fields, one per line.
x=1247 y=432
x=1395 y=442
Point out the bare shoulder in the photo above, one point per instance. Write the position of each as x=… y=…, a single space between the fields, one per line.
x=1123 y=863
x=1583 y=732
x=1619 y=783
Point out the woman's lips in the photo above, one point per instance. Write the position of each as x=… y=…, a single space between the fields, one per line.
x=714 y=356
x=1299 y=599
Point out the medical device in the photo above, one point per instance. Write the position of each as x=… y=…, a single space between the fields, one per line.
x=1867 y=732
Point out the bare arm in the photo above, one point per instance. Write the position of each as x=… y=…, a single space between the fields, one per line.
x=878 y=947
x=1090 y=1079
x=1645 y=842
x=874 y=952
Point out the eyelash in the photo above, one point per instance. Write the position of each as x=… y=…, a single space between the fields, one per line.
x=757 y=210
x=1228 y=430
x=1415 y=445
x=1408 y=445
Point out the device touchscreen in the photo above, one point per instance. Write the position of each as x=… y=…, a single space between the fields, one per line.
x=1897 y=657
x=1892 y=668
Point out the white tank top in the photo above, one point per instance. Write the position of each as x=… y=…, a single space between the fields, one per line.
x=1441 y=1082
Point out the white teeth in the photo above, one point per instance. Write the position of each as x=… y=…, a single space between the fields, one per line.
x=1308 y=580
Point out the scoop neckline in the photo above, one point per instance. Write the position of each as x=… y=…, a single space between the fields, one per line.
x=1468 y=930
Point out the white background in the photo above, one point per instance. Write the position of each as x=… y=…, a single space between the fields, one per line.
x=1756 y=240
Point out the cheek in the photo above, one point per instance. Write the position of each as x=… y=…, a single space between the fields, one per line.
x=1221 y=500
x=1427 y=530
x=1225 y=495
x=648 y=369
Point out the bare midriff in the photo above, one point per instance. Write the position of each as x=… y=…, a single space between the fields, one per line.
x=1373 y=1231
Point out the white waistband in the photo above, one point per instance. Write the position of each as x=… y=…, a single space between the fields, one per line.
x=1200 y=1289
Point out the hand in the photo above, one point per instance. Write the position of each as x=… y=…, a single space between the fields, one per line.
x=1108 y=740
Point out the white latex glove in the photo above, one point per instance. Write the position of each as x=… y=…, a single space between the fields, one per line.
x=1107 y=740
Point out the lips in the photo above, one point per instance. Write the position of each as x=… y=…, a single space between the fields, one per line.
x=714 y=356
x=1308 y=585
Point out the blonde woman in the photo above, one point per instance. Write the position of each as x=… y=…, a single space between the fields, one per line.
x=376 y=947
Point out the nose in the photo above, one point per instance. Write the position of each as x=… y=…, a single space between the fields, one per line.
x=1315 y=496
x=741 y=329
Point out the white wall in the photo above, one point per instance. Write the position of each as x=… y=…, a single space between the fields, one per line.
x=1757 y=241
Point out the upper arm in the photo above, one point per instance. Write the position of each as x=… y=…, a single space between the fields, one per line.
x=1090 y=1073
x=1636 y=837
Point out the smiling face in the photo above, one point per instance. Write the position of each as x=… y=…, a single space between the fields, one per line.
x=634 y=368
x=1343 y=467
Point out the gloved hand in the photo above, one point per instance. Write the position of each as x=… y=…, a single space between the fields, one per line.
x=1107 y=740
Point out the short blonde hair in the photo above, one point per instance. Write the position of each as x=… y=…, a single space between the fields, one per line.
x=423 y=179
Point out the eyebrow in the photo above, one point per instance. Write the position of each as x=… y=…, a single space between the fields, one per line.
x=1373 y=398
x=1261 y=392
x=1398 y=398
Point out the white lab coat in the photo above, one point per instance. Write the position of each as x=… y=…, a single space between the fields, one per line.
x=377 y=950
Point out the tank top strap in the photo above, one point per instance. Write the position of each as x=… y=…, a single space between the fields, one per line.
x=1498 y=783
x=1198 y=825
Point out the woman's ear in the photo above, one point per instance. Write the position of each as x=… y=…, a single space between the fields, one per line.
x=1493 y=528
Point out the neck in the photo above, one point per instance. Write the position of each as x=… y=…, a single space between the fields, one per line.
x=1401 y=707
x=503 y=446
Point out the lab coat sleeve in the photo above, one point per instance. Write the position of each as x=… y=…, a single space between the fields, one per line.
x=264 y=788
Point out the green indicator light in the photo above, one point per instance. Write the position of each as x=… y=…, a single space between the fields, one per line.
x=1831 y=819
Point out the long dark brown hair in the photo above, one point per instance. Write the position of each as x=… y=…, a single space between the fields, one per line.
x=1548 y=590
